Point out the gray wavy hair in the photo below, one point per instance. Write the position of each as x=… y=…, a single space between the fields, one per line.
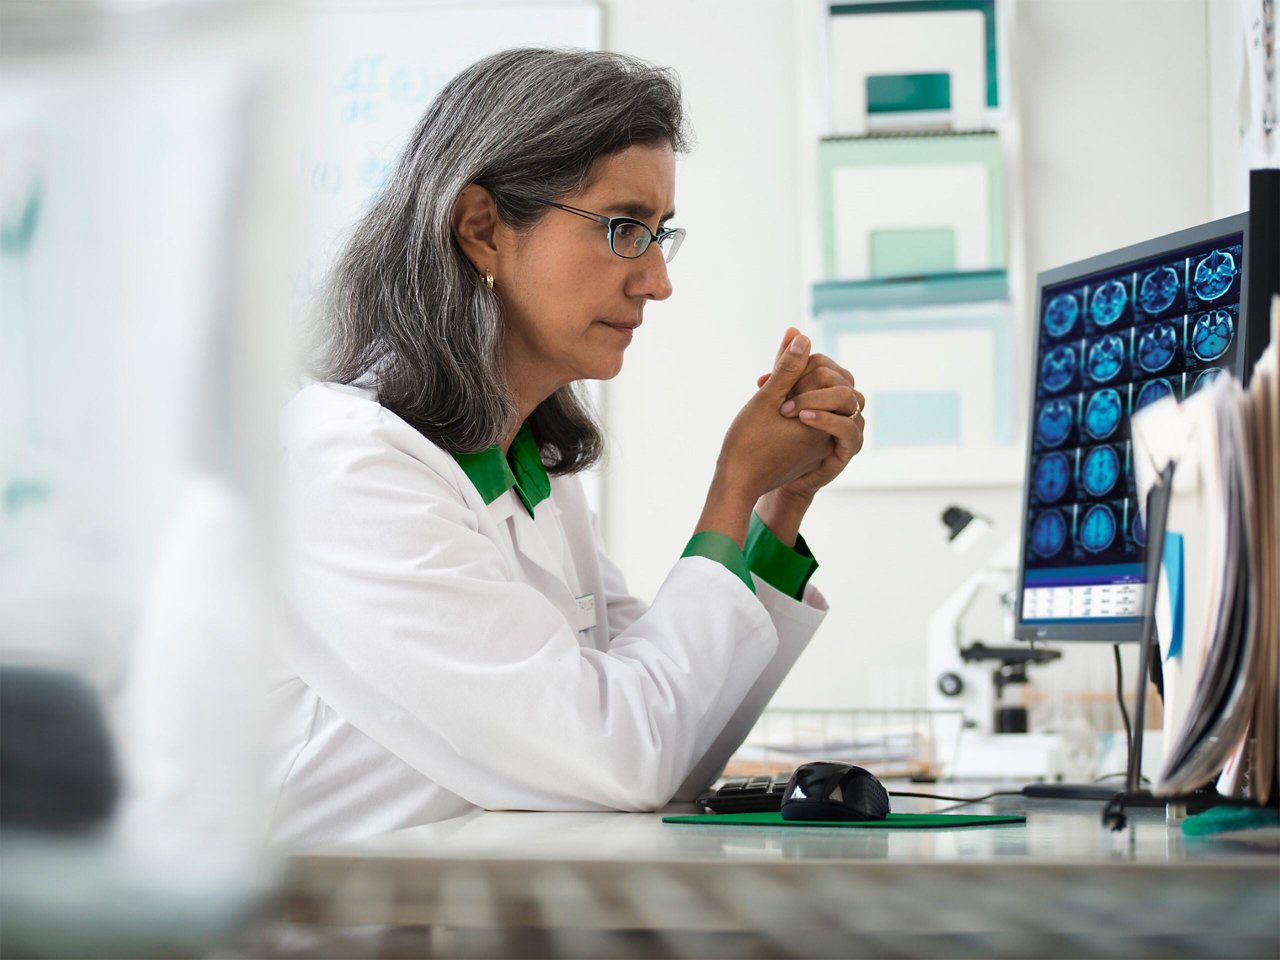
x=406 y=311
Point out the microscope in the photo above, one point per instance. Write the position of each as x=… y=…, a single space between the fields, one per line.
x=993 y=739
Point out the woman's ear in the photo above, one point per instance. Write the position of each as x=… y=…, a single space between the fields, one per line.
x=474 y=221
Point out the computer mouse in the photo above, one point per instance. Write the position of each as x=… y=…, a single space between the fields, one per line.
x=834 y=791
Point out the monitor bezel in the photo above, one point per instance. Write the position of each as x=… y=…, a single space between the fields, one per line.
x=1111 y=631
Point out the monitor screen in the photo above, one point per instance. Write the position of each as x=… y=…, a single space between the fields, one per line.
x=1113 y=334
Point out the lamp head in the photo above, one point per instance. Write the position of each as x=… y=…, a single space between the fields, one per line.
x=964 y=528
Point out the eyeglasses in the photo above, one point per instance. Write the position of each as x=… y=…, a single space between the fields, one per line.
x=628 y=237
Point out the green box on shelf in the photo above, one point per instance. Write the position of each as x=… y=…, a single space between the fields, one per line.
x=906 y=7
x=908 y=92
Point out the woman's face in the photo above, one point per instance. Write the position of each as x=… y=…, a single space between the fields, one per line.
x=571 y=304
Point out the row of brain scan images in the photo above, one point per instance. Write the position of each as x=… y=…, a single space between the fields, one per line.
x=1106 y=532
x=1100 y=472
x=1102 y=415
x=1191 y=342
x=1196 y=284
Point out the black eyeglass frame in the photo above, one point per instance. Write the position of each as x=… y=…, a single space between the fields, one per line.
x=675 y=234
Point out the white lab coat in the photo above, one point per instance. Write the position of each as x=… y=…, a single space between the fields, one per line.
x=435 y=664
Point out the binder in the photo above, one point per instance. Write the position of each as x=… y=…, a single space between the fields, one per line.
x=1221 y=682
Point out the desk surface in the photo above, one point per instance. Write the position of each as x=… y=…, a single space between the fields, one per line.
x=1055 y=831
x=1060 y=885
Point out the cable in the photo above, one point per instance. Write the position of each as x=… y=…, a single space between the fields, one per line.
x=1118 y=774
x=1124 y=711
x=960 y=800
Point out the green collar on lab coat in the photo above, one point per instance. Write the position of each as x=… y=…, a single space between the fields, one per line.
x=522 y=468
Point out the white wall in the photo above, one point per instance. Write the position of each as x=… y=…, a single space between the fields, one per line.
x=695 y=360
x=1113 y=111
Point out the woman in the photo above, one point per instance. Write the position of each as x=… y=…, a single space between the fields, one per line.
x=460 y=639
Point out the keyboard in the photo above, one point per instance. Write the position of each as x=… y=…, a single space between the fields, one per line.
x=762 y=794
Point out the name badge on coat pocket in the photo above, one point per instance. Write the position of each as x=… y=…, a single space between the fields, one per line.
x=585 y=616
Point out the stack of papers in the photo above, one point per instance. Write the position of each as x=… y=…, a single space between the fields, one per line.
x=1217 y=613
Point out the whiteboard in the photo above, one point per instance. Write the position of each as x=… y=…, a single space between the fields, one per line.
x=376 y=67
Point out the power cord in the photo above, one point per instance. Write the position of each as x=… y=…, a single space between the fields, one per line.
x=1119 y=774
x=1124 y=711
x=960 y=801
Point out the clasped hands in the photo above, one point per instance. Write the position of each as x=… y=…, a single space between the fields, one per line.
x=824 y=398
x=793 y=437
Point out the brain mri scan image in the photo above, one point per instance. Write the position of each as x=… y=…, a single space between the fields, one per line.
x=1206 y=377
x=1213 y=275
x=1098 y=530
x=1107 y=304
x=1157 y=345
x=1105 y=358
x=1053 y=473
x=1061 y=314
x=1159 y=289
x=1117 y=333
x=1100 y=471
x=1102 y=413
x=1053 y=425
x=1211 y=334
x=1058 y=369
x=1152 y=391
x=1048 y=533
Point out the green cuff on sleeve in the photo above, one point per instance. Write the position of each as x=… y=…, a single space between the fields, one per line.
x=785 y=569
x=722 y=549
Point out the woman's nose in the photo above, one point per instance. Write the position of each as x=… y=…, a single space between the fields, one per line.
x=650 y=279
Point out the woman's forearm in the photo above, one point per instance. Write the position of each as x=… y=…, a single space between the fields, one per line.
x=782 y=513
x=727 y=510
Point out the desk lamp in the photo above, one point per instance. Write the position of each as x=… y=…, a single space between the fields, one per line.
x=964 y=529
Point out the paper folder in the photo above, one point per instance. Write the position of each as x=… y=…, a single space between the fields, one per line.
x=1221 y=683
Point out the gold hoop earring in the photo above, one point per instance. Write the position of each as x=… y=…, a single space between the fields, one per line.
x=488 y=279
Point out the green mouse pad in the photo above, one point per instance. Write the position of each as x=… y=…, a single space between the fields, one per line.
x=894 y=821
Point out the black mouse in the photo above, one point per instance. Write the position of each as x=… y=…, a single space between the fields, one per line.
x=834 y=791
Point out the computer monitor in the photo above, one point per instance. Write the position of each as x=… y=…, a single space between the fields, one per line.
x=1114 y=333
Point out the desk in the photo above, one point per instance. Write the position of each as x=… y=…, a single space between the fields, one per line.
x=605 y=885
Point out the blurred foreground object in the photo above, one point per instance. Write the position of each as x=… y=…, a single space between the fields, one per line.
x=57 y=763
x=145 y=244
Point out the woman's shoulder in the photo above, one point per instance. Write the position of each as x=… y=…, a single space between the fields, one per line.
x=318 y=403
x=341 y=420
